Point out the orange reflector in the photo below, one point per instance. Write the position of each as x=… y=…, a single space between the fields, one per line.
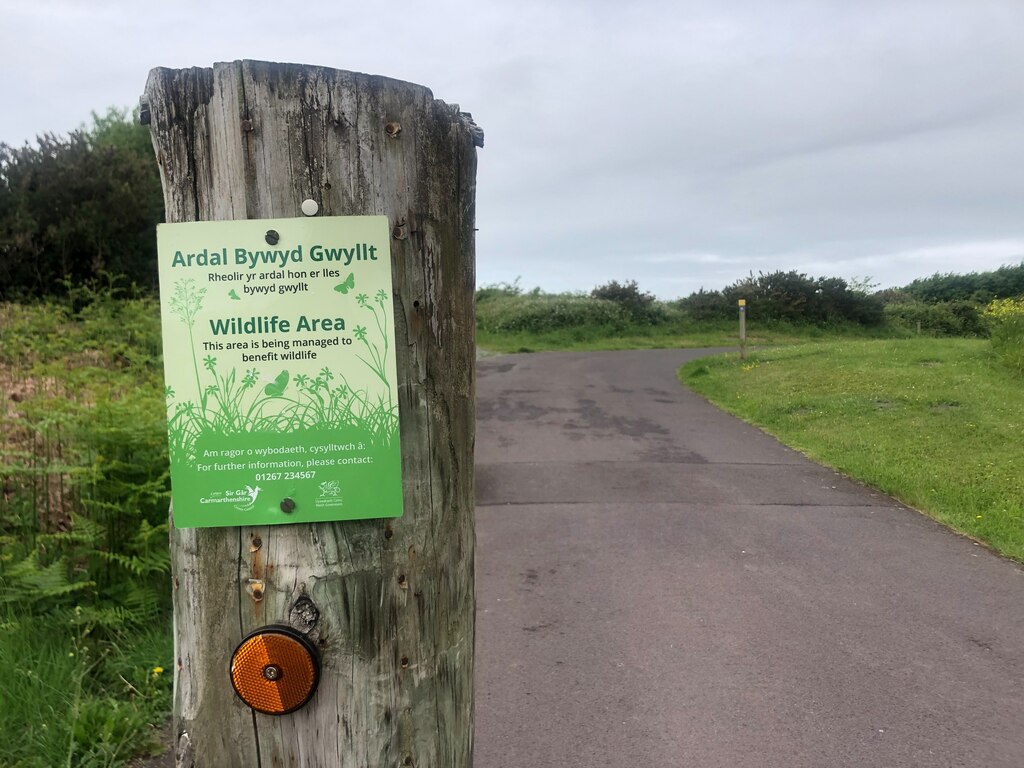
x=275 y=670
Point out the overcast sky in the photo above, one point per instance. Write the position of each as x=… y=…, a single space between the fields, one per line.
x=680 y=144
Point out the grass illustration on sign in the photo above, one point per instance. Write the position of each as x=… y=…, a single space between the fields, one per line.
x=231 y=403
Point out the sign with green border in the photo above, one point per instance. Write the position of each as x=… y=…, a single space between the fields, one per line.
x=279 y=359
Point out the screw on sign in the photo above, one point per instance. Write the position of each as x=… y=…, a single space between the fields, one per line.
x=275 y=670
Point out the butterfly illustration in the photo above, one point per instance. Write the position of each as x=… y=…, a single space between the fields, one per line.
x=277 y=387
x=234 y=295
x=348 y=285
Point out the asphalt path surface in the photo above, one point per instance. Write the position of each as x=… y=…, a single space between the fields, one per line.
x=659 y=584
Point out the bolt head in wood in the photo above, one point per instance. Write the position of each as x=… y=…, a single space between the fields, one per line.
x=393 y=129
x=310 y=207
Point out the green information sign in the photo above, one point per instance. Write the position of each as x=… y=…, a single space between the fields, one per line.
x=279 y=357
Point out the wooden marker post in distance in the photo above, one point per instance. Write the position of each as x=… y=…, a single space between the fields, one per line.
x=387 y=604
x=743 y=329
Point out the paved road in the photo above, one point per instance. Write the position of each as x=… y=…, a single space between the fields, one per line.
x=662 y=585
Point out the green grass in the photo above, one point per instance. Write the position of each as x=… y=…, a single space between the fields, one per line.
x=590 y=339
x=70 y=699
x=937 y=423
x=674 y=335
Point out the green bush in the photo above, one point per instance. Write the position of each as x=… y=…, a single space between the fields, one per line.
x=954 y=318
x=1006 y=323
x=787 y=296
x=497 y=290
x=976 y=287
x=641 y=307
x=78 y=207
x=707 y=305
x=538 y=313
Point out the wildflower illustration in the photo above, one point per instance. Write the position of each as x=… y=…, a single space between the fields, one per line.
x=185 y=302
x=230 y=402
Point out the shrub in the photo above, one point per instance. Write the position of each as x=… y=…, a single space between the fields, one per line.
x=1006 y=323
x=496 y=290
x=77 y=207
x=640 y=306
x=707 y=305
x=953 y=318
x=788 y=296
x=978 y=287
x=538 y=313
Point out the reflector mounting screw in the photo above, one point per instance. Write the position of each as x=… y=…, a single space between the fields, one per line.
x=272 y=672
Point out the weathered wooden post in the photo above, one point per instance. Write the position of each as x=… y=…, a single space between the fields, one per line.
x=388 y=603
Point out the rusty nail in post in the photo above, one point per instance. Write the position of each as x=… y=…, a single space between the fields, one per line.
x=272 y=237
x=287 y=505
x=255 y=588
x=393 y=129
x=247 y=125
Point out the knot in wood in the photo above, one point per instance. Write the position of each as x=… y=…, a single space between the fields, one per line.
x=304 y=615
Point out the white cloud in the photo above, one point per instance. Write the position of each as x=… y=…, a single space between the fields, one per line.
x=678 y=144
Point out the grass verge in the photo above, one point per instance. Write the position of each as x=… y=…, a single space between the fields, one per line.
x=936 y=423
x=683 y=335
x=71 y=699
